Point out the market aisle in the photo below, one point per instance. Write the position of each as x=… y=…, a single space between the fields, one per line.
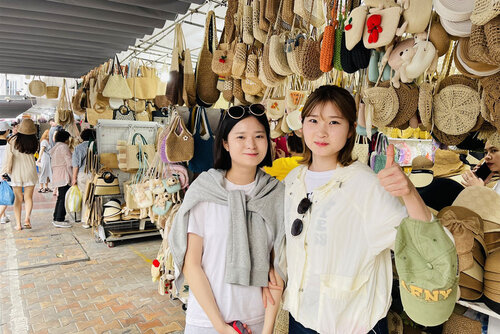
x=62 y=281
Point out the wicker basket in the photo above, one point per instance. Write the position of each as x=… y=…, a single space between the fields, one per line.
x=52 y=92
x=37 y=88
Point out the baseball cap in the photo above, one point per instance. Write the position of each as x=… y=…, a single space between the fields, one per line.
x=427 y=266
x=4 y=126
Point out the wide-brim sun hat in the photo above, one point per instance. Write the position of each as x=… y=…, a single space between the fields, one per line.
x=113 y=203
x=27 y=127
x=457 y=79
x=456 y=109
x=457 y=29
x=454 y=10
x=483 y=201
x=421 y=172
x=111 y=212
x=385 y=104
x=447 y=163
x=470 y=66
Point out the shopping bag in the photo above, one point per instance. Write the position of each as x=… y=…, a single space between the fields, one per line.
x=6 y=194
x=73 y=200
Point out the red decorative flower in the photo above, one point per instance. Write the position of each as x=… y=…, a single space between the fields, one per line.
x=348 y=27
x=374 y=28
x=156 y=263
x=222 y=59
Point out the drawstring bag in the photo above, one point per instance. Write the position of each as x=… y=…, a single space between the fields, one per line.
x=203 y=143
x=73 y=200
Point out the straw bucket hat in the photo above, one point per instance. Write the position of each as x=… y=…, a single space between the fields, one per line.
x=425 y=104
x=469 y=67
x=447 y=163
x=385 y=104
x=461 y=324
x=456 y=109
x=27 y=127
x=439 y=37
x=447 y=139
x=408 y=105
x=484 y=11
x=458 y=79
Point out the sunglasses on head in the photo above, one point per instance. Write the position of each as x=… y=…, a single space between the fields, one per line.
x=237 y=112
x=298 y=225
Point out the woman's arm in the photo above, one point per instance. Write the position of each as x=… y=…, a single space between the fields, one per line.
x=7 y=167
x=272 y=308
x=199 y=284
x=41 y=153
x=397 y=184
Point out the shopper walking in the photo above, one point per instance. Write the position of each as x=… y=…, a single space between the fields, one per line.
x=61 y=175
x=20 y=166
x=43 y=163
x=4 y=133
x=340 y=221
x=226 y=228
x=79 y=159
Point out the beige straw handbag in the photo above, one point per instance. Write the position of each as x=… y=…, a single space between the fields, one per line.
x=206 y=79
x=52 y=92
x=258 y=33
x=37 y=87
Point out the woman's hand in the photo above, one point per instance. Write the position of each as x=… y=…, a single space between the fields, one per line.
x=470 y=179
x=392 y=177
x=272 y=285
x=228 y=329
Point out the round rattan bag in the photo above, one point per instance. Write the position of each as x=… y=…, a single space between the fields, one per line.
x=37 y=88
x=385 y=104
x=456 y=109
x=408 y=104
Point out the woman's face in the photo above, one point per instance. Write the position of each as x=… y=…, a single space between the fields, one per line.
x=247 y=143
x=492 y=157
x=325 y=131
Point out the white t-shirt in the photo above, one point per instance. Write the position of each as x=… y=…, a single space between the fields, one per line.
x=497 y=187
x=236 y=302
x=315 y=180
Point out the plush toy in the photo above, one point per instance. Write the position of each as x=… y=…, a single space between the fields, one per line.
x=173 y=187
x=380 y=4
x=424 y=57
x=399 y=59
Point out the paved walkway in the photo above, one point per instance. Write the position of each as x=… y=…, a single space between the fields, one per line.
x=55 y=280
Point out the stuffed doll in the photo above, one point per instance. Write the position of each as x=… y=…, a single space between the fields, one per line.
x=425 y=54
x=173 y=187
x=399 y=58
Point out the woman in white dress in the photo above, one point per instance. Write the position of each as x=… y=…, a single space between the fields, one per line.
x=43 y=163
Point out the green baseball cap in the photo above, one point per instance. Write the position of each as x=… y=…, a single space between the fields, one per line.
x=427 y=265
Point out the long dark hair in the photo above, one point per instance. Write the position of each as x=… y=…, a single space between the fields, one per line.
x=25 y=143
x=222 y=159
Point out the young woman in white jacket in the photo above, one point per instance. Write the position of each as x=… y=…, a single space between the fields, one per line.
x=340 y=224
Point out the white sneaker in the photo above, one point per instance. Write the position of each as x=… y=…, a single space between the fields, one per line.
x=62 y=224
x=85 y=225
x=4 y=220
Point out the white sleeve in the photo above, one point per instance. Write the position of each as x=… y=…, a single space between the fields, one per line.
x=383 y=213
x=196 y=223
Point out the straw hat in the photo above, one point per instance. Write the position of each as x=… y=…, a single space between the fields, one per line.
x=113 y=203
x=447 y=139
x=483 y=201
x=454 y=10
x=458 y=79
x=494 y=139
x=457 y=28
x=111 y=212
x=385 y=104
x=468 y=66
x=460 y=324
x=27 y=127
x=408 y=105
x=447 y=163
x=456 y=109
x=484 y=11
x=440 y=38
x=491 y=96
x=421 y=172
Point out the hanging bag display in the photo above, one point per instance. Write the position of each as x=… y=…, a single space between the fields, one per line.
x=258 y=33
x=175 y=84
x=139 y=152
x=222 y=62
x=106 y=183
x=277 y=56
x=37 y=87
x=203 y=143
x=117 y=87
x=206 y=80
x=328 y=42
x=179 y=143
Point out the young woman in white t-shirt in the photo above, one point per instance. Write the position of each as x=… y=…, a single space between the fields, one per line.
x=340 y=224
x=242 y=145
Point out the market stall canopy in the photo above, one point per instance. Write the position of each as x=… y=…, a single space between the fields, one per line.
x=67 y=38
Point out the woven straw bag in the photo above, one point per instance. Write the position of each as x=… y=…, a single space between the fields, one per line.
x=189 y=82
x=240 y=60
x=238 y=92
x=136 y=105
x=250 y=87
x=287 y=14
x=52 y=92
x=179 y=142
x=309 y=54
x=37 y=87
x=206 y=79
x=272 y=78
x=456 y=109
x=263 y=22
x=383 y=103
x=222 y=62
x=275 y=103
x=93 y=115
x=484 y=11
x=227 y=93
x=272 y=10
x=292 y=48
x=258 y=33
x=337 y=63
x=145 y=85
x=328 y=43
x=315 y=16
x=408 y=105
x=277 y=56
x=425 y=97
x=361 y=150
x=117 y=86
x=248 y=37
x=491 y=97
x=252 y=69
x=176 y=74
x=478 y=47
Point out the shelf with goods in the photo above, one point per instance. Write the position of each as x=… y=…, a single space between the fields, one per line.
x=479 y=307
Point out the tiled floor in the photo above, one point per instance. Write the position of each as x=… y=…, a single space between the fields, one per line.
x=55 y=280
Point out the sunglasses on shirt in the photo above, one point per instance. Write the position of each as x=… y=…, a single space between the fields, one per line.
x=237 y=112
x=298 y=225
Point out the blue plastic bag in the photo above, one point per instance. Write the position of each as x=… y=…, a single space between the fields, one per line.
x=6 y=194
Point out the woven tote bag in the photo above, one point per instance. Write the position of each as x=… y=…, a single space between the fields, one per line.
x=258 y=33
x=117 y=86
x=37 y=87
x=176 y=75
x=206 y=80
x=179 y=143
x=189 y=83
